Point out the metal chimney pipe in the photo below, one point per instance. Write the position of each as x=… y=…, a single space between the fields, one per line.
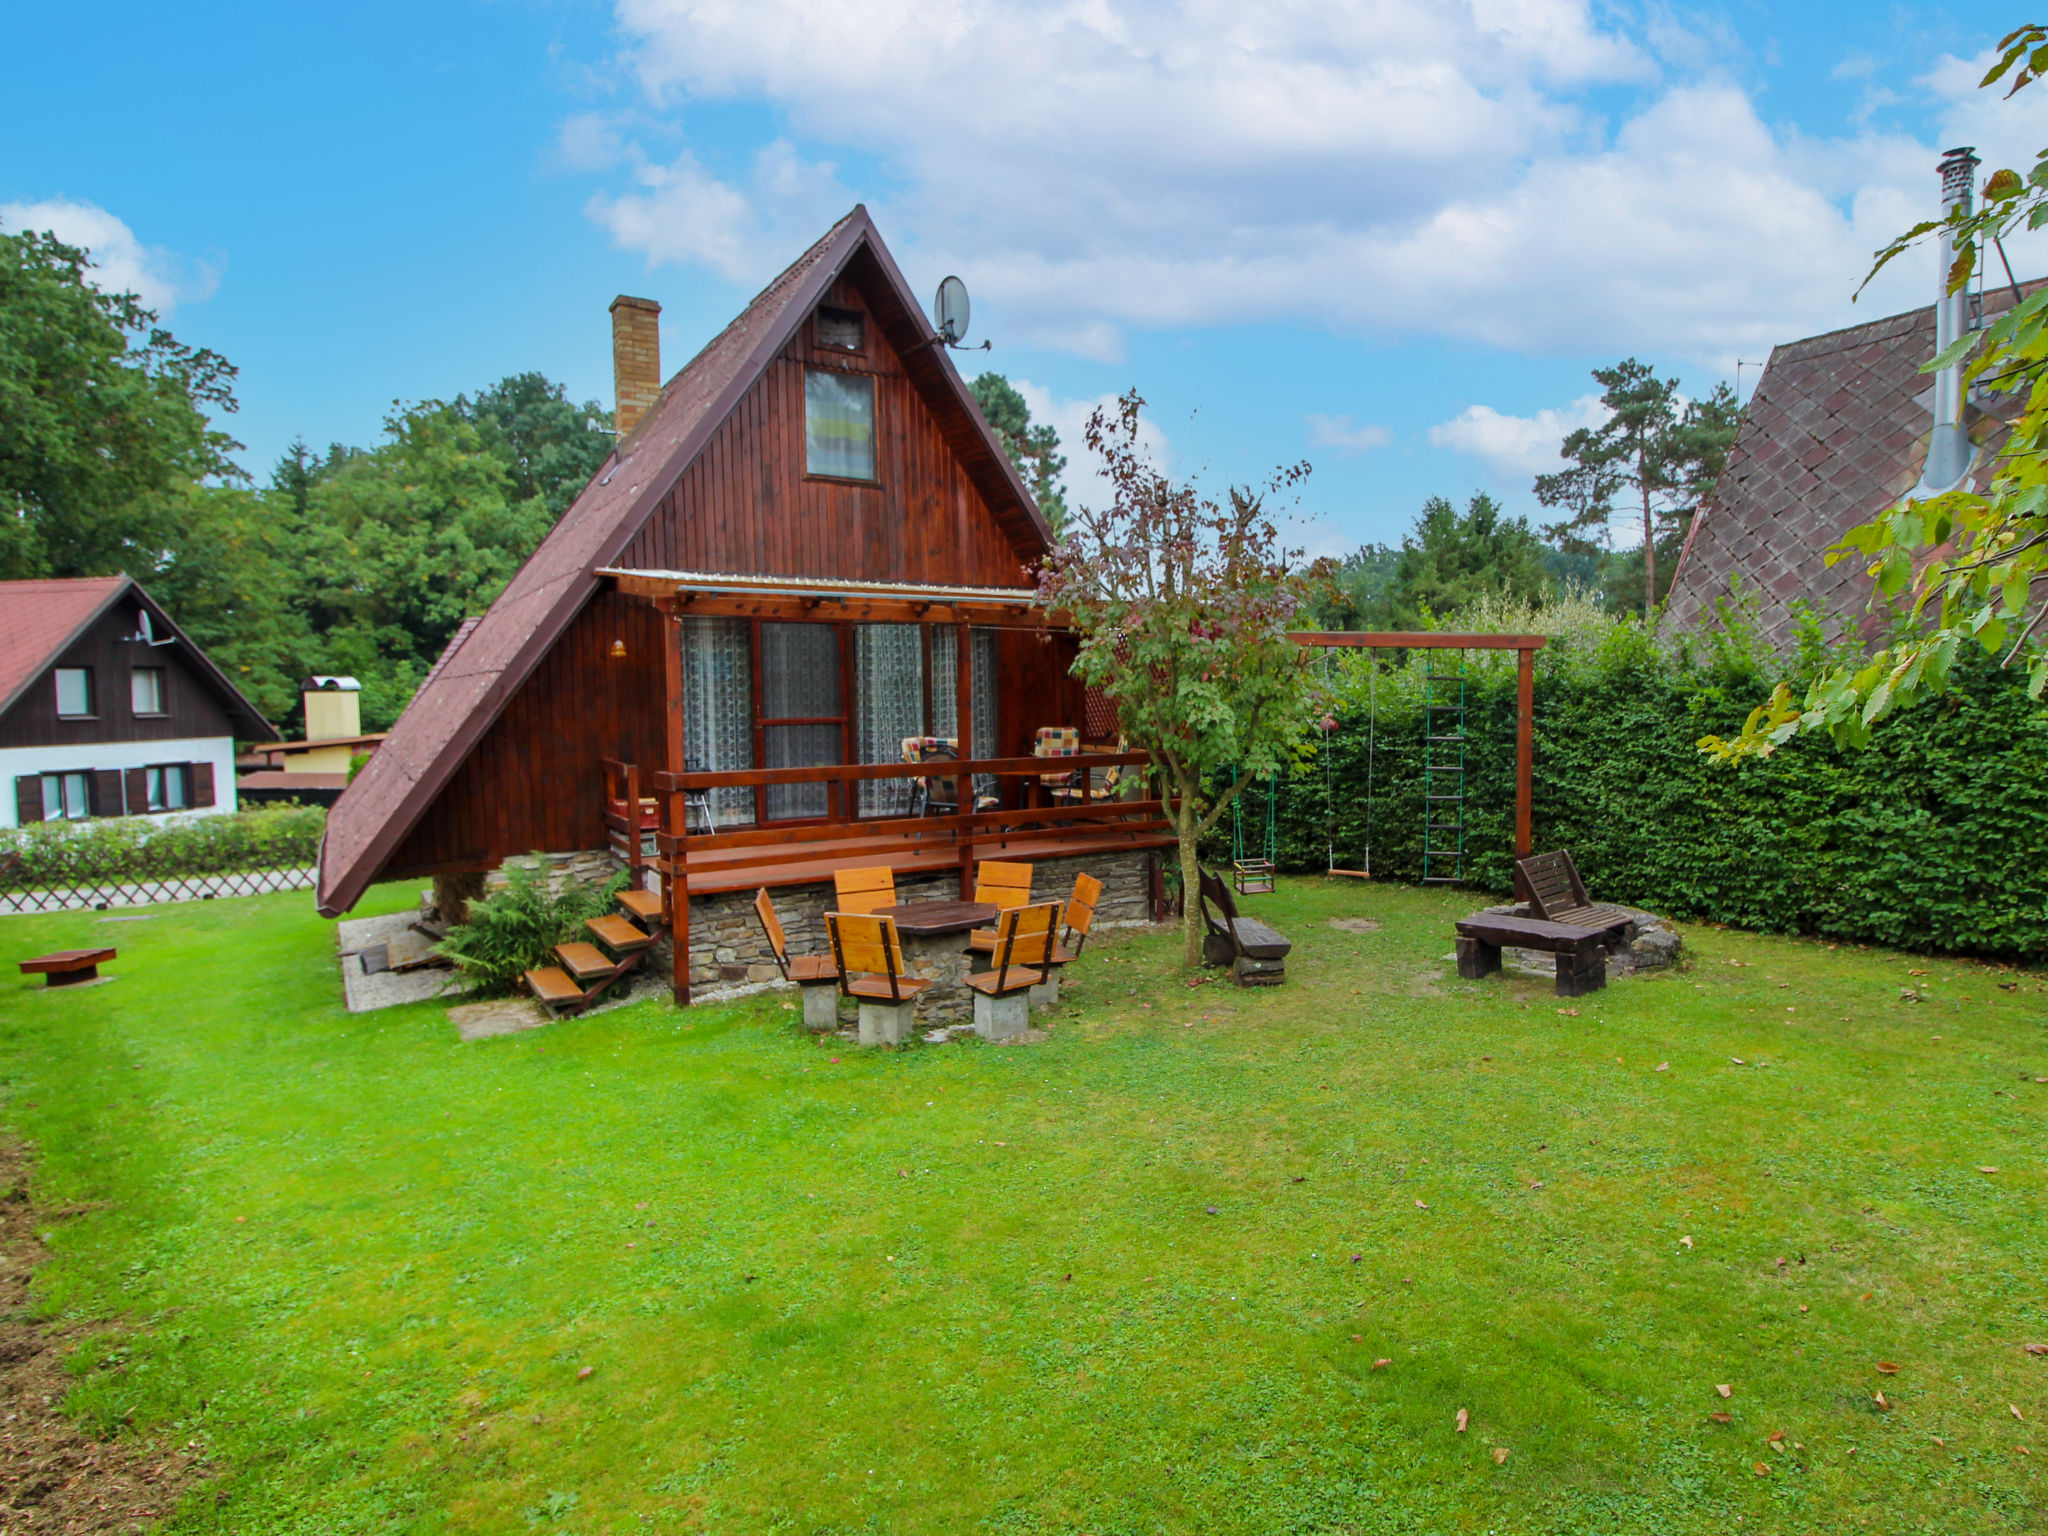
x=1948 y=449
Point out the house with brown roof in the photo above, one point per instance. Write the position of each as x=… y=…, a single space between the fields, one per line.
x=108 y=709
x=1841 y=426
x=807 y=563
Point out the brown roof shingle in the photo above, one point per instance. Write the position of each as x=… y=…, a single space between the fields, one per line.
x=1836 y=431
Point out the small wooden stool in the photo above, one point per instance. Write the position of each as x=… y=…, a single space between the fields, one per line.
x=67 y=967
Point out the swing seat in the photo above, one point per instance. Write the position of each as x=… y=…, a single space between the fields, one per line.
x=1252 y=877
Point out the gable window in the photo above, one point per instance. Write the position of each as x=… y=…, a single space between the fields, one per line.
x=146 y=690
x=67 y=796
x=839 y=424
x=167 y=787
x=74 y=692
x=839 y=329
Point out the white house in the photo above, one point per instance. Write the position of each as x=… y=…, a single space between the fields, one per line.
x=107 y=709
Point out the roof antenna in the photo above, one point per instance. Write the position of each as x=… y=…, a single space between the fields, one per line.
x=949 y=309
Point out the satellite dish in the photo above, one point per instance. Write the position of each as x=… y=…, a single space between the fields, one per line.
x=950 y=310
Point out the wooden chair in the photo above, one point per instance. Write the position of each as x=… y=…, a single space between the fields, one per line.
x=864 y=890
x=816 y=976
x=1024 y=946
x=1002 y=885
x=1256 y=954
x=1077 y=919
x=867 y=955
x=804 y=970
x=1558 y=895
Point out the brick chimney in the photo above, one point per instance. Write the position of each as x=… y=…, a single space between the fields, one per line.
x=636 y=360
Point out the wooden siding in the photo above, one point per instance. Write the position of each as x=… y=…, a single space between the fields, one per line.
x=533 y=782
x=192 y=707
x=747 y=506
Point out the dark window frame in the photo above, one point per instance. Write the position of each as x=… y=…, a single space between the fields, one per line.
x=873 y=480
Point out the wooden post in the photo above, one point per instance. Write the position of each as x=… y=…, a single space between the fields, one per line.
x=675 y=885
x=963 y=723
x=1525 y=757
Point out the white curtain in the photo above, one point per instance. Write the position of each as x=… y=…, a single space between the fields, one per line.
x=888 y=670
x=800 y=680
x=718 y=709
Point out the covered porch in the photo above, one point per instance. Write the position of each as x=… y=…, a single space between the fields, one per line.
x=813 y=726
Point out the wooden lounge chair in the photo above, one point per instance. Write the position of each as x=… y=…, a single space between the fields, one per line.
x=1558 y=895
x=1024 y=946
x=1255 y=953
x=1002 y=885
x=1077 y=919
x=867 y=957
x=864 y=890
x=816 y=976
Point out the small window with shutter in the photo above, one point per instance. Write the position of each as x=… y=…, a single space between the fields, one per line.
x=167 y=786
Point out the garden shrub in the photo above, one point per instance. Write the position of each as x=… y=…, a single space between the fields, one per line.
x=1934 y=837
x=117 y=850
x=516 y=927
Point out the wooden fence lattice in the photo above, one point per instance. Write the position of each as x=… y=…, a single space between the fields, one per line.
x=134 y=887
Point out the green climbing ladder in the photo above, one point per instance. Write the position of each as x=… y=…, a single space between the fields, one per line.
x=1443 y=775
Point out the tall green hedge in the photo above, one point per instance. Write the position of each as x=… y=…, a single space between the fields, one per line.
x=1934 y=838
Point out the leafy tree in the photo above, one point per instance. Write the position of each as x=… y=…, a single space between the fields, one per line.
x=403 y=540
x=1974 y=566
x=1358 y=596
x=103 y=417
x=551 y=445
x=1183 y=608
x=1654 y=451
x=1035 y=451
x=233 y=578
x=1450 y=559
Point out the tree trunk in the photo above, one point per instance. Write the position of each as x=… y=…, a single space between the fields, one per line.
x=1190 y=892
x=454 y=893
x=1649 y=559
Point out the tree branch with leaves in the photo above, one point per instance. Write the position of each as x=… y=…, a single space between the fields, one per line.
x=1970 y=567
x=1183 y=605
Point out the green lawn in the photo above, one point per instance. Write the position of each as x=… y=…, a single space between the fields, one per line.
x=696 y=1271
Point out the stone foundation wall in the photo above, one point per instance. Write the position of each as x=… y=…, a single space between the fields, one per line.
x=727 y=946
x=591 y=864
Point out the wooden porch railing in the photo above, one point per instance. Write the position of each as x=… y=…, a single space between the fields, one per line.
x=806 y=850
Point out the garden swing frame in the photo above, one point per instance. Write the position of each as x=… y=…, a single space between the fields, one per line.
x=1525 y=648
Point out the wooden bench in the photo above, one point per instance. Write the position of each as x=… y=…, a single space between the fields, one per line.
x=1558 y=895
x=1256 y=954
x=67 y=967
x=1581 y=951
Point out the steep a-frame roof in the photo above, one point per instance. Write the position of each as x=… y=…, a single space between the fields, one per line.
x=1836 y=431
x=481 y=670
x=40 y=619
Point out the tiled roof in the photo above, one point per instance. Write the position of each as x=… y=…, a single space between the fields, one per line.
x=1836 y=432
x=39 y=618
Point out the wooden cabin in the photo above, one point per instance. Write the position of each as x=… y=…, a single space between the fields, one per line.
x=808 y=550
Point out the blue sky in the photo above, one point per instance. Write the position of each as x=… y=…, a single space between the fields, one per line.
x=1388 y=238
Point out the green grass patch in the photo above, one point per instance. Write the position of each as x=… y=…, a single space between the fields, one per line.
x=1134 y=1279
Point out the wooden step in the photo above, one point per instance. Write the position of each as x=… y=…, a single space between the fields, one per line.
x=618 y=934
x=645 y=905
x=551 y=984
x=585 y=961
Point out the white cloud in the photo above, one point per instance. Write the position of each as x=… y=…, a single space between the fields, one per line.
x=1086 y=486
x=120 y=262
x=1337 y=432
x=686 y=214
x=1517 y=447
x=1404 y=167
